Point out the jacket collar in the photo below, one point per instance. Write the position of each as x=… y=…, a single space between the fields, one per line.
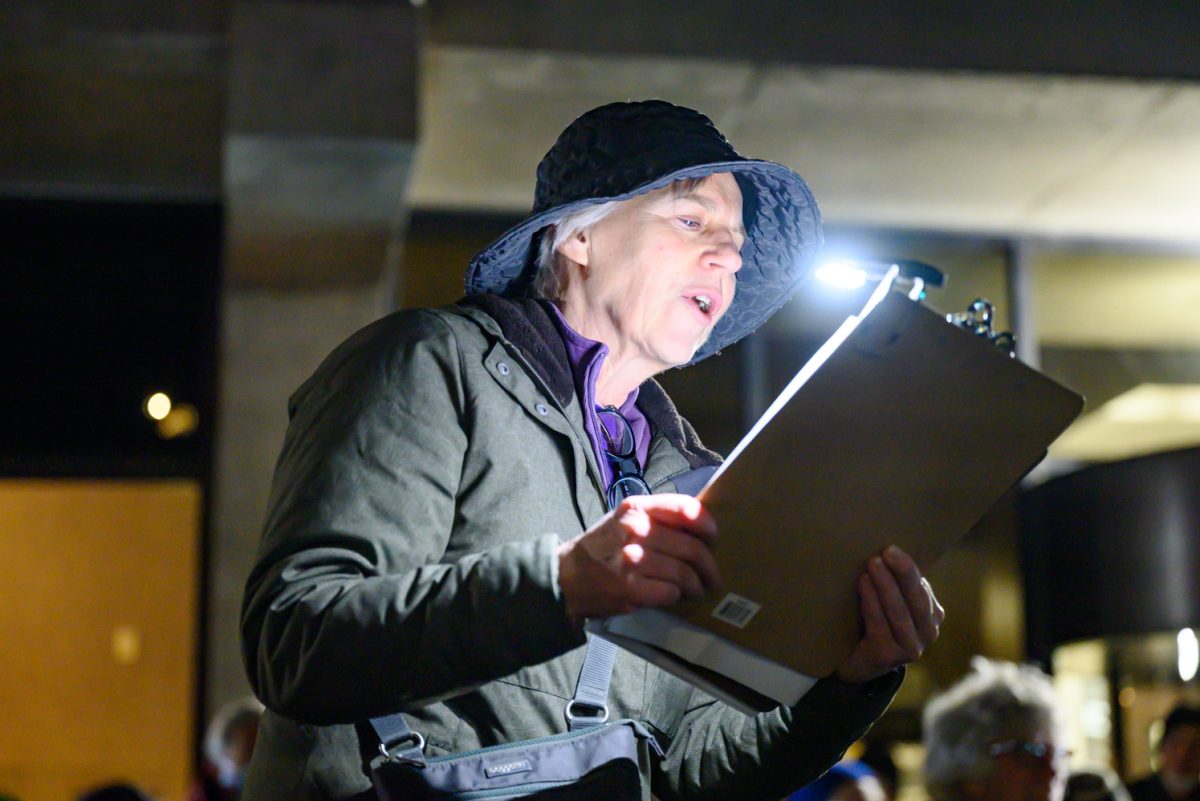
x=528 y=324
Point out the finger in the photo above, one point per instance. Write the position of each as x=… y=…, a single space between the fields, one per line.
x=917 y=593
x=684 y=547
x=875 y=625
x=908 y=577
x=679 y=511
x=631 y=519
x=939 y=612
x=604 y=540
x=643 y=591
x=650 y=564
x=895 y=608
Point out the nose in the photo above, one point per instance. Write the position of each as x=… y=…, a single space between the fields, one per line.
x=724 y=253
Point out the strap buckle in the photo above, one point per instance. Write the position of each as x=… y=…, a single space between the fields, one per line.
x=580 y=720
x=398 y=754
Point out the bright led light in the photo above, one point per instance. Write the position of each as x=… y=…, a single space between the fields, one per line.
x=157 y=406
x=1189 y=654
x=842 y=274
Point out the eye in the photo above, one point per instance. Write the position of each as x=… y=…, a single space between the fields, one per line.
x=691 y=223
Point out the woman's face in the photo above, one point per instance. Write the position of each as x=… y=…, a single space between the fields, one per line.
x=1024 y=769
x=657 y=274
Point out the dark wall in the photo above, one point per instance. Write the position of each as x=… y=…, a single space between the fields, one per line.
x=103 y=304
x=1113 y=549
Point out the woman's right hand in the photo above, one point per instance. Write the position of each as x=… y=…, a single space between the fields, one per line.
x=652 y=550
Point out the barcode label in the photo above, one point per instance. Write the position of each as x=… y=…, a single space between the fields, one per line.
x=736 y=610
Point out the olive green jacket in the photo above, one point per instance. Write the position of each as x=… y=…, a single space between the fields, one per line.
x=432 y=465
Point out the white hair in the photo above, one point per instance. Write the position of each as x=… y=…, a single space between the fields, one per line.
x=224 y=725
x=994 y=702
x=548 y=278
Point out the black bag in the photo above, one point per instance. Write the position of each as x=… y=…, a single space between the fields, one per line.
x=596 y=759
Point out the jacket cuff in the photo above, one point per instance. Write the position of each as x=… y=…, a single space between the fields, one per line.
x=551 y=618
x=886 y=685
x=846 y=711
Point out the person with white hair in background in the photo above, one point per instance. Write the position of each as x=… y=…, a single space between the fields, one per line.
x=996 y=735
x=228 y=744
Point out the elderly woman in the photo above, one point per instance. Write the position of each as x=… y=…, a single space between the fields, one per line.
x=461 y=488
x=997 y=735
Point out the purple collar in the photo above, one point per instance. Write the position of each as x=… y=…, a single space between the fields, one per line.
x=586 y=357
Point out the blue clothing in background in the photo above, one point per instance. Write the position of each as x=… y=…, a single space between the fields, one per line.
x=824 y=787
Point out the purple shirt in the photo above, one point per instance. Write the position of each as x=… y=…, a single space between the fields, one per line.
x=586 y=357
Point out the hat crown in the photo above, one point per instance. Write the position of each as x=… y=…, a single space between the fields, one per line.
x=612 y=150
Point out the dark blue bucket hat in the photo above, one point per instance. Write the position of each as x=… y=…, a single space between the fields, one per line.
x=621 y=150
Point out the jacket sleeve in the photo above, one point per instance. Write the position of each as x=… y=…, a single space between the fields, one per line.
x=351 y=610
x=717 y=752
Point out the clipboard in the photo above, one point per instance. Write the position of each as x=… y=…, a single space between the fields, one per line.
x=903 y=429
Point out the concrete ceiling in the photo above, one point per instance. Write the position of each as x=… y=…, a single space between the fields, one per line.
x=1114 y=38
x=1041 y=156
x=317 y=124
x=1028 y=120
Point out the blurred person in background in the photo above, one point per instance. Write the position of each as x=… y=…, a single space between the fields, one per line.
x=845 y=781
x=228 y=744
x=1095 y=783
x=996 y=735
x=120 y=791
x=1178 y=776
x=877 y=755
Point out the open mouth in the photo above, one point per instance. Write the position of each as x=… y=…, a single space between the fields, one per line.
x=703 y=302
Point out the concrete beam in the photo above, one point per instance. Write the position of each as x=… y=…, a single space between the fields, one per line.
x=321 y=123
x=1155 y=39
x=323 y=69
x=124 y=104
x=311 y=212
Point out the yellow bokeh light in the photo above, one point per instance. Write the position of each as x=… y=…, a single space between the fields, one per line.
x=181 y=421
x=157 y=406
x=126 y=644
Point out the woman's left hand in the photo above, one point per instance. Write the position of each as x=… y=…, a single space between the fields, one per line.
x=901 y=617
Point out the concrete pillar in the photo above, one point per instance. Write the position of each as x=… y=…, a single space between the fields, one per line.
x=318 y=143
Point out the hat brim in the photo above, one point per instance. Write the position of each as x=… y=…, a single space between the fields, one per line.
x=783 y=240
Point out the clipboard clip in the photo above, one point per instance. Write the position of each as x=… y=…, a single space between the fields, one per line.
x=980 y=320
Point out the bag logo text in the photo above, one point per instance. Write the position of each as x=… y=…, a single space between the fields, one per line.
x=508 y=768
